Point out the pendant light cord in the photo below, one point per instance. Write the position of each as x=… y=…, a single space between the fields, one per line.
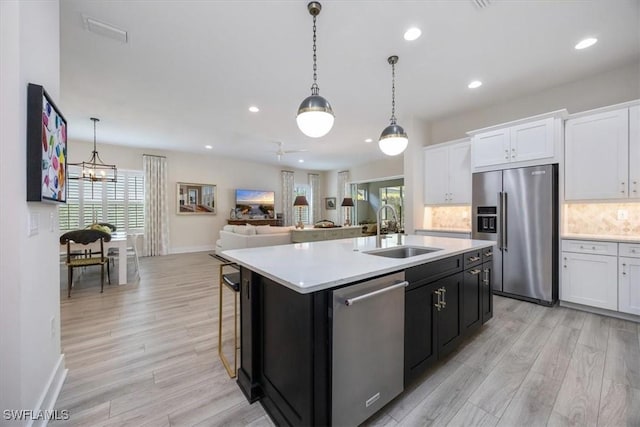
x=314 y=87
x=393 y=93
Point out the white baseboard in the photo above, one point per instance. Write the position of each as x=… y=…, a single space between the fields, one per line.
x=603 y=311
x=50 y=393
x=187 y=249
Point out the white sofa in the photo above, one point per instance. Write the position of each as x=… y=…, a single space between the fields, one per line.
x=249 y=236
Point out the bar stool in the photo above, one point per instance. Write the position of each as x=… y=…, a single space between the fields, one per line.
x=231 y=281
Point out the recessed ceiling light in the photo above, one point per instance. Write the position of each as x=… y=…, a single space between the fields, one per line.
x=254 y=109
x=301 y=161
x=368 y=140
x=474 y=84
x=208 y=147
x=412 y=34
x=583 y=44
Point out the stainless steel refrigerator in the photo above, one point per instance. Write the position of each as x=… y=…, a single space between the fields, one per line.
x=518 y=209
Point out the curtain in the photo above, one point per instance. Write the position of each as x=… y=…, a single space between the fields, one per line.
x=287 y=197
x=314 y=183
x=156 y=224
x=343 y=190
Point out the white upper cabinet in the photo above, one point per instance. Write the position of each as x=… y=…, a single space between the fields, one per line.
x=531 y=141
x=597 y=154
x=526 y=142
x=460 y=173
x=492 y=148
x=447 y=173
x=634 y=151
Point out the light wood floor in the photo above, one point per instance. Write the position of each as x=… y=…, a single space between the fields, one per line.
x=146 y=354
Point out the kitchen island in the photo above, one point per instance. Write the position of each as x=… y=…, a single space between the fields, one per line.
x=332 y=331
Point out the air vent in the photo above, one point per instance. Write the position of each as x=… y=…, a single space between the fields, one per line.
x=105 y=30
x=481 y=4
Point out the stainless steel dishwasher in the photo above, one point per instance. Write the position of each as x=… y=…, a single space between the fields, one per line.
x=368 y=348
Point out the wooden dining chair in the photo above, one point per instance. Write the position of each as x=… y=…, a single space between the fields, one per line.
x=86 y=237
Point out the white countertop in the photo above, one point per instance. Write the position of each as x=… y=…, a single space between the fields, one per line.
x=314 y=266
x=603 y=238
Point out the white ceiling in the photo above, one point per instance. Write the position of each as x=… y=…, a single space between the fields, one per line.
x=191 y=69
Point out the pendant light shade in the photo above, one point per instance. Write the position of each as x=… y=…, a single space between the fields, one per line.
x=393 y=139
x=315 y=116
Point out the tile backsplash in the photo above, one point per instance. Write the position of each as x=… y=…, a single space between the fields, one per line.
x=617 y=219
x=448 y=217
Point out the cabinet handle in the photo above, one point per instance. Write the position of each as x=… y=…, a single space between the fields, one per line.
x=444 y=294
x=474 y=258
x=624 y=273
x=475 y=271
x=622 y=191
x=438 y=304
x=486 y=276
x=488 y=253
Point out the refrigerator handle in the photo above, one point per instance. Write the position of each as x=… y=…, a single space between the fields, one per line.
x=500 y=208
x=505 y=241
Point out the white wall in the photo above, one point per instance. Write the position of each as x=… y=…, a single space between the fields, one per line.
x=418 y=132
x=188 y=233
x=31 y=366
x=611 y=87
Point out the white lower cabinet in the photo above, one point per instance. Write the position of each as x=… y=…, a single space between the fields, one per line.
x=629 y=285
x=601 y=274
x=590 y=279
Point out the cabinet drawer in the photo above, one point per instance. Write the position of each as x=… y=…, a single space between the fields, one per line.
x=590 y=247
x=487 y=254
x=430 y=272
x=472 y=259
x=630 y=250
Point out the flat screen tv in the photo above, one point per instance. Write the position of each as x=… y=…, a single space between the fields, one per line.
x=255 y=204
x=46 y=148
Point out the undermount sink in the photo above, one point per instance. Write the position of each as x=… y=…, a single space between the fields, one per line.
x=402 y=251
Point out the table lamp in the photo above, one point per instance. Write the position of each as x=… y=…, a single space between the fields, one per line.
x=300 y=202
x=347 y=202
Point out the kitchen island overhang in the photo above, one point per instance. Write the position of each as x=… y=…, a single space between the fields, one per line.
x=286 y=323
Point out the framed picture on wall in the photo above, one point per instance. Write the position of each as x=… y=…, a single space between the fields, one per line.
x=196 y=198
x=330 y=203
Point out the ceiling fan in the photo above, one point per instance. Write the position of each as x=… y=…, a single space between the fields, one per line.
x=281 y=151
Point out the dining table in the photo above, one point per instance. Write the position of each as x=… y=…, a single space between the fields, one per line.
x=119 y=241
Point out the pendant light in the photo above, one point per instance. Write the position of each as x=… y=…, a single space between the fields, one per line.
x=95 y=169
x=315 y=116
x=393 y=139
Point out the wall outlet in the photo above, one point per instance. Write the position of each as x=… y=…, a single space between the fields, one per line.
x=623 y=214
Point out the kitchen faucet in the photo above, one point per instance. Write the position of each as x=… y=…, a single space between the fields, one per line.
x=379 y=224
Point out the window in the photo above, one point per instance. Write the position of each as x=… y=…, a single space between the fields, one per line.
x=304 y=211
x=119 y=203
x=393 y=196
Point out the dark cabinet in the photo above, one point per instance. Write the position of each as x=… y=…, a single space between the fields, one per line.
x=486 y=290
x=449 y=313
x=420 y=348
x=444 y=303
x=433 y=322
x=472 y=299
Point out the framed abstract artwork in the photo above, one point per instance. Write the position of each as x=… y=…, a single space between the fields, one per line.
x=46 y=148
